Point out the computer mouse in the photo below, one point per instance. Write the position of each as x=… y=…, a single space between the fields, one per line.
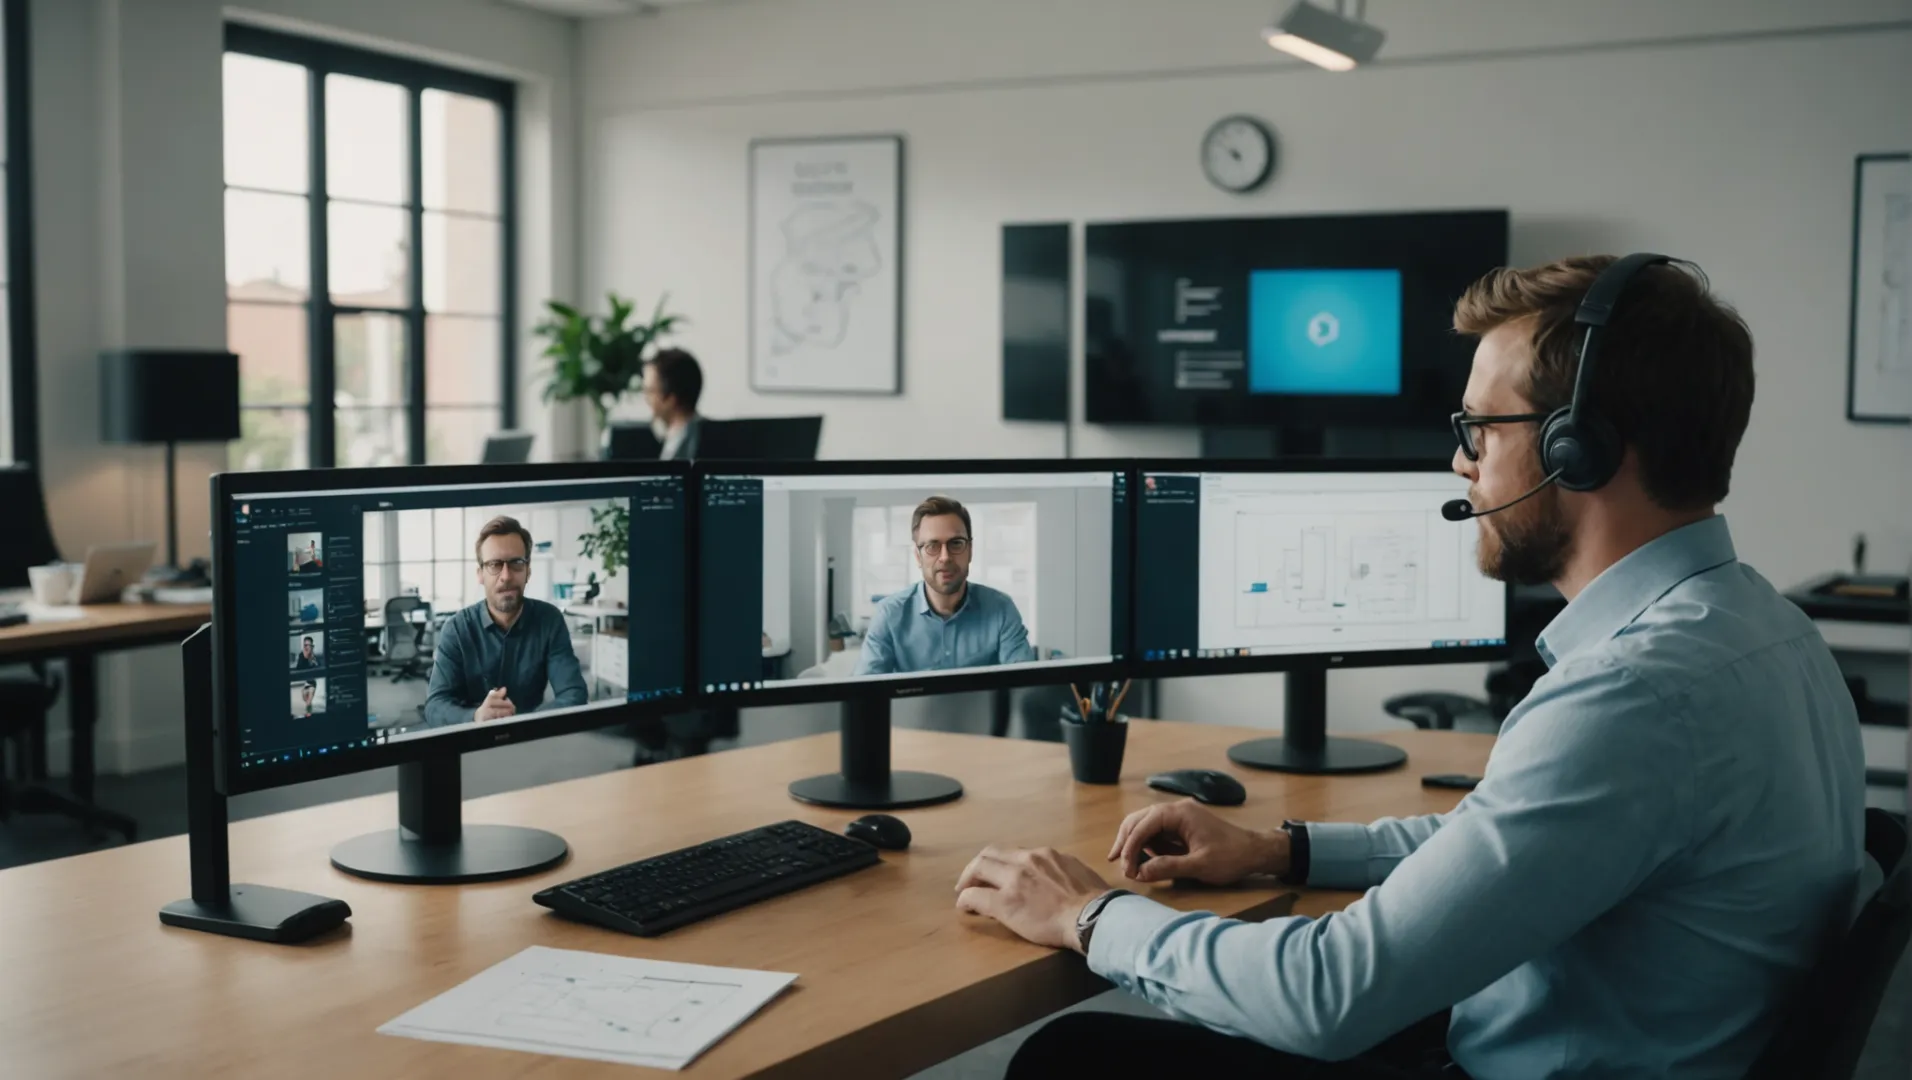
x=880 y=831
x=1204 y=785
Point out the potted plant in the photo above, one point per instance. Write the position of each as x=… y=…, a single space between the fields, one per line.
x=599 y=359
x=609 y=544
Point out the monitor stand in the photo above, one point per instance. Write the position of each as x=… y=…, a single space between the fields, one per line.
x=433 y=846
x=1304 y=745
x=866 y=781
x=217 y=906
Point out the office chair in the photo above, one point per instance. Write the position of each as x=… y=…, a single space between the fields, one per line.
x=28 y=692
x=410 y=654
x=1822 y=1033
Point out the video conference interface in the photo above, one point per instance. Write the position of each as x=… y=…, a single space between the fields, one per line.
x=1266 y=564
x=808 y=580
x=396 y=605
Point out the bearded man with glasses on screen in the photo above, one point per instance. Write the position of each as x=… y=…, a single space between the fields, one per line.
x=494 y=659
x=947 y=621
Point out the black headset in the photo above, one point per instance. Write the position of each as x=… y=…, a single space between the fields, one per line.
x=1577 y=444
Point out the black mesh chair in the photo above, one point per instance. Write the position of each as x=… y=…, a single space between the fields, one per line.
x=1822 y=1034
x=27 y=692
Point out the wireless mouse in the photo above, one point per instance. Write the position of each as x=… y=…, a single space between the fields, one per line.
x=880 y=831
x=1204 y=785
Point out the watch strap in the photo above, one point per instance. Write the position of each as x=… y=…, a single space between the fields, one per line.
x=1085 y=922
x=1298 y=855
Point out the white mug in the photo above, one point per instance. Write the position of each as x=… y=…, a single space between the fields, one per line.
x=53 y=584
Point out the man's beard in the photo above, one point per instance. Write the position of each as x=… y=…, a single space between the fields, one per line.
x=955 y=585
x=508 y=601
x=1526 y=544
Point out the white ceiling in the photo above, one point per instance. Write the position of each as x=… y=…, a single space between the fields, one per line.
x=595 y=8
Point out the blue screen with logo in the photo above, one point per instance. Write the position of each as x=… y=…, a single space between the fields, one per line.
x=1324 y=332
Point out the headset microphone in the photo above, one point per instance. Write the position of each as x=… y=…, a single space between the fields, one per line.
x=1461 y=509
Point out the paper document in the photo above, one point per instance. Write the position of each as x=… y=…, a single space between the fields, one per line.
x=589 y=1005
x=50 y=613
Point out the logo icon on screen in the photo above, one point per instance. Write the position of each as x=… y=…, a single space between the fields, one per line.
x=1324 y=328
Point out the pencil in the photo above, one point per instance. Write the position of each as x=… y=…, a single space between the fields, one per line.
x=1118 y=698
x=1082 y=703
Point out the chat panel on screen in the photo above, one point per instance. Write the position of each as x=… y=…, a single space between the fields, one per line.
x=810 y=580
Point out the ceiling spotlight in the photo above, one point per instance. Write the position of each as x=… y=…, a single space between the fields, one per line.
x=1331 y=39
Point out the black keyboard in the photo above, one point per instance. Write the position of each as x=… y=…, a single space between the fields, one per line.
x=665 y=892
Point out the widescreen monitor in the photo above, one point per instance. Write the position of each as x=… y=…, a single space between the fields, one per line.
x=1305 y=565
x=840 y=581
x=374 y=617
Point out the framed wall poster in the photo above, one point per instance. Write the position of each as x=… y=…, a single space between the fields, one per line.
x=826 y=264
x=1879 y=360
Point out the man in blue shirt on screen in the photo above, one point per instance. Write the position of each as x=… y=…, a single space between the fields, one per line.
x=494 y=659
x=1669 y=831
x=947 y=621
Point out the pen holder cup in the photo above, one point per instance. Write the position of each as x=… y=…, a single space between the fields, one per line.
x=1095 y=747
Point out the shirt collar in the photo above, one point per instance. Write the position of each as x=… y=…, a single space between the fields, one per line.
x=922 y=600
x=1624 y=590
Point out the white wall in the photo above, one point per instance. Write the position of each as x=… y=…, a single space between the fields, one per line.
x=1723 y=131
x=130 y=251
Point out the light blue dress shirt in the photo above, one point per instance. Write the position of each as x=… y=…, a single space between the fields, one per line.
x=906 y=634
x=1669 y=828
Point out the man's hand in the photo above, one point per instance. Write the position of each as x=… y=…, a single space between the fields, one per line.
x=1184 y=839
x=496 y=707
x=1037 y=894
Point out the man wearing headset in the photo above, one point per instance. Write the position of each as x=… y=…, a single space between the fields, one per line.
x=1670 y=827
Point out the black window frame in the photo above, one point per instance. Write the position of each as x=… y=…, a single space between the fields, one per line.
x=321 y=58
x=22 y=357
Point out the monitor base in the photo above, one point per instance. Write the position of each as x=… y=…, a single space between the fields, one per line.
x=1335 y=756
x=260 y=913
x=897 y=791
x=480 y=853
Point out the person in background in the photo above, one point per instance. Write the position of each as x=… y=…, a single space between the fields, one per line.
x=1669 y=833
x=673 y=382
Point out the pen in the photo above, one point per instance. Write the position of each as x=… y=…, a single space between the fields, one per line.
x=1126 y=683
x=1082 y=703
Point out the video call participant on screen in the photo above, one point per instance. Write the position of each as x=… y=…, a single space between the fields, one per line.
x=947 y=621
x=673 y=382
x=306 y=690
x=495 y=658
x=305 y=661
x=1669 y=830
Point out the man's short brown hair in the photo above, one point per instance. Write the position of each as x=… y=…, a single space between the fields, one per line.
x=1674 y=373
x=502 y=526
x=938 y=506
x=678 y=375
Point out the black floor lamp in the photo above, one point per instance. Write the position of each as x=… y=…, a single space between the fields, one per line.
x=169 y=396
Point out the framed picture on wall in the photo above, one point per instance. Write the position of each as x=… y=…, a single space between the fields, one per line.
x=1879 y=357
x=826 y=264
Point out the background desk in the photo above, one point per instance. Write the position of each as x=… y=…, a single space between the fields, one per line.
x=104 y=628
x=891 y=978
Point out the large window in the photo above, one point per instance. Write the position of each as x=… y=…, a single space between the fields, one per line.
x=19 y=416
x=368 y=255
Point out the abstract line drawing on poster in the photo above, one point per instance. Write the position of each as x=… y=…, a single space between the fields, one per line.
x=825 y=264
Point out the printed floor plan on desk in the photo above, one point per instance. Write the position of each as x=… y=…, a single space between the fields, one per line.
x=609 y=1008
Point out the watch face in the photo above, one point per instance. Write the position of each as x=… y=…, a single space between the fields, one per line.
x=1238 y=153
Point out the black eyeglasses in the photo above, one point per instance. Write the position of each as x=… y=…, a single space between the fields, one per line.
x=1464 y=426
x=494 y=567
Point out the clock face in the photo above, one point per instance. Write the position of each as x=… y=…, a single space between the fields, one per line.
x=1238 y=153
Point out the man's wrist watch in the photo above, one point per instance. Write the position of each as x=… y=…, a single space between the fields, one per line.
x=1091 y=911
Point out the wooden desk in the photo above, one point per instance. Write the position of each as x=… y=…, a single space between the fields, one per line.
x=104 y=628
x=891 y=978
